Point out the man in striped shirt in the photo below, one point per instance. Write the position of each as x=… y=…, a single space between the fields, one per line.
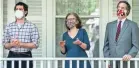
x=20 y=37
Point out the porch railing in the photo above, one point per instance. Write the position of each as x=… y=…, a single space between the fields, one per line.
x=54 y=62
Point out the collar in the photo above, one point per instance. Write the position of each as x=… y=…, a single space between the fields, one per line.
x=123 y=20
x=25 y=21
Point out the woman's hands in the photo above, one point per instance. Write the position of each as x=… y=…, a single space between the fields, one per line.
x=77 y=42
x=62 y=46
x=80 y=43
x=62 y=43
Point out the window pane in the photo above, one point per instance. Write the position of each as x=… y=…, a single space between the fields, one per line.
x=135 y=11
x=60 y=29
x=82 y=7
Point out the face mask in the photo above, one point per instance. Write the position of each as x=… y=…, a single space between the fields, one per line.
x=71 y=24
x=19 y=14
x=121 y=12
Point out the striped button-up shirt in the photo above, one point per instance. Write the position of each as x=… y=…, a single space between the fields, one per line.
x=27 y=33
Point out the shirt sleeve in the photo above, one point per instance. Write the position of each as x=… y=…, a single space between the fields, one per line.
x=86 y=39
x=6 y=36
x=35 y=36
x=63 y=38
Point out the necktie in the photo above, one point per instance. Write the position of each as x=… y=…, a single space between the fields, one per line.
x=118 y=31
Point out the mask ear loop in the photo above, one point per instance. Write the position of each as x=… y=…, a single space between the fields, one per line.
x=25 y=12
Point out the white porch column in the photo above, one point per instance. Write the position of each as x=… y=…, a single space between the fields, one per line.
x=50 y=28
x=104 y=19
x=1 y=31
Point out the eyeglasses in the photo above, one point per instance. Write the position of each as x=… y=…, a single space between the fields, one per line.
x=70 y=19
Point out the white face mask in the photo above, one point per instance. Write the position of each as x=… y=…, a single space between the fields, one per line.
x=19 y=14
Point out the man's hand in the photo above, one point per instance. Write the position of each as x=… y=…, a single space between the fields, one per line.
x=15 y=42
x=127 y=57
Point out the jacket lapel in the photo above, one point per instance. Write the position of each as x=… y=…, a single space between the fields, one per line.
x=114 y=29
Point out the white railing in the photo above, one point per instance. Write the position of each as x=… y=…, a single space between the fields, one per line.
x=54 y=62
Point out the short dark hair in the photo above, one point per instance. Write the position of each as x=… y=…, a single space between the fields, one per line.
x=128 y=7
x=25 y=6
x=79 y=25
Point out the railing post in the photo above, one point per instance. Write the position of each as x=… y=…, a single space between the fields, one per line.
x=99 y=63
x=63 y=63
x=107 y=63
x=85 y=64
x=34 y=64
x=128 y=64
x=13 y=64
x=19 y=63
x=121 y=64
x=136 y=64
x=77 y=63
x=5 y=64
x=114 y=64
x=42 y=64
x=48 y=64
x=56 y=63
x=70 y=63
x=27 y=64
x=92 y=63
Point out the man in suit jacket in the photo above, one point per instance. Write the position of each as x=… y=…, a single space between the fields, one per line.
x=122 y=37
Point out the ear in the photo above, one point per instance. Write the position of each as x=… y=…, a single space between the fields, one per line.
x=127 y=13
x=26 y=12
